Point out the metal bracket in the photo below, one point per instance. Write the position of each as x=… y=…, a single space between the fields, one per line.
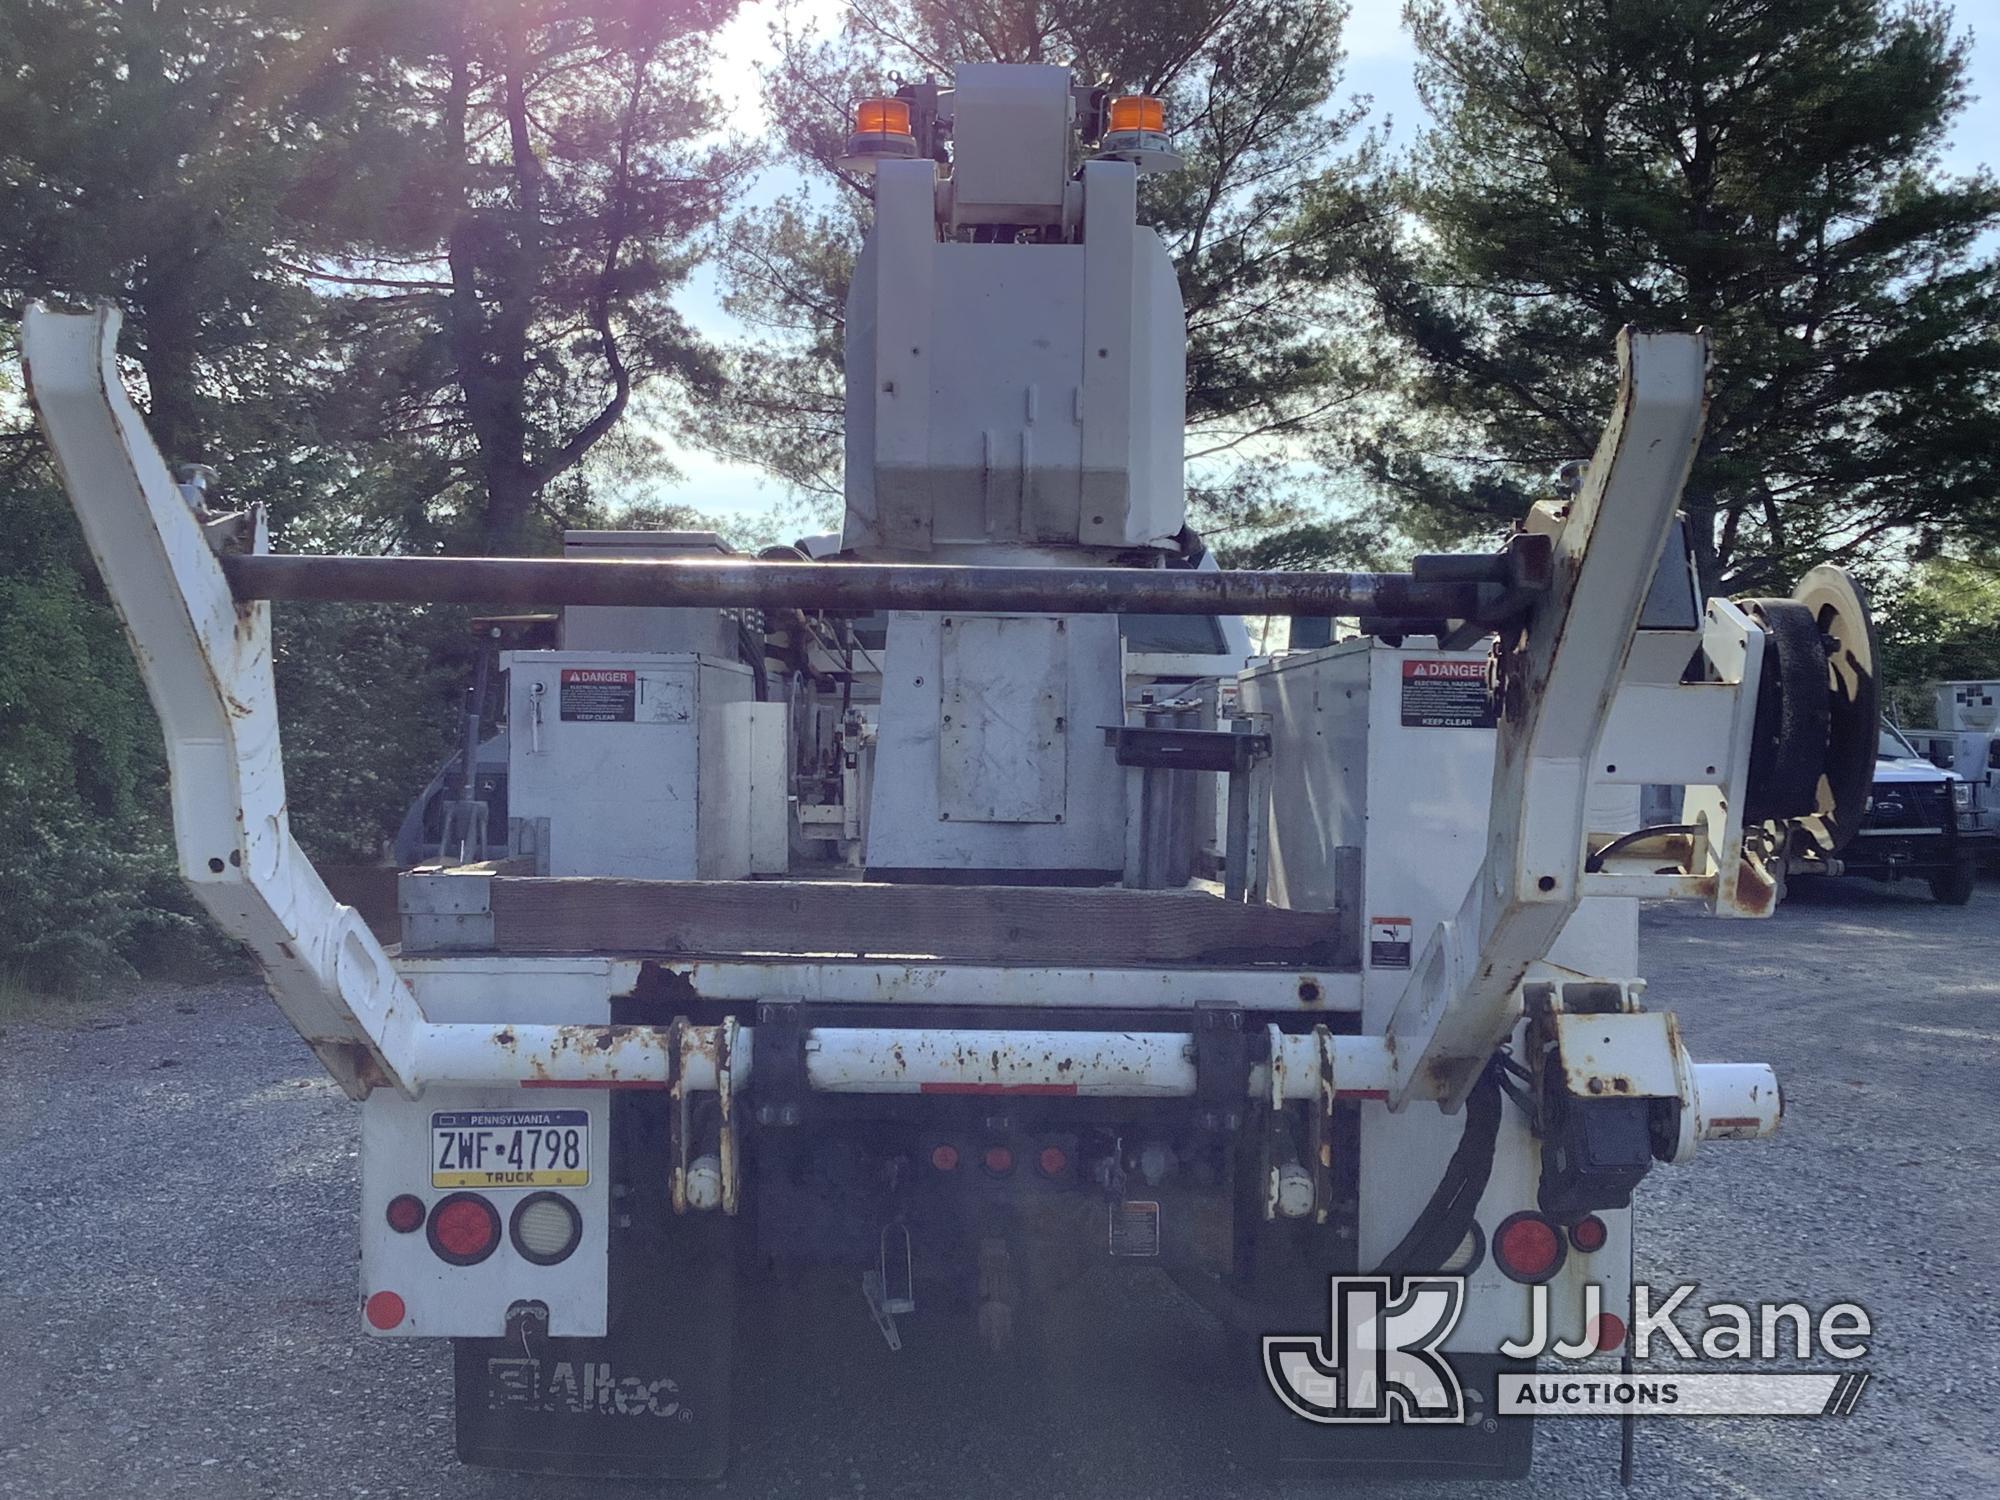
x=887 y=1300
x=680 y=1129
x=725 y=1092
x=1221 y=1066
x=782 y=1089
x=1319 y=1141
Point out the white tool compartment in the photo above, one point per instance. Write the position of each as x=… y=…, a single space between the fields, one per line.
x=1391 y=747
x=645 y=765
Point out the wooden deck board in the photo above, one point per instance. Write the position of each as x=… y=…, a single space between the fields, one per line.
x=965 y=924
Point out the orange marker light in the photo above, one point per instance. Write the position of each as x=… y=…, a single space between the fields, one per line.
x=1137 y=112
x=882 y=117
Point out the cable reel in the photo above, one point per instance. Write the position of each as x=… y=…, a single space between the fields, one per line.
x=1812 y=755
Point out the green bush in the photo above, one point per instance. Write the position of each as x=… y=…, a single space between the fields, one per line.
x=87 y=885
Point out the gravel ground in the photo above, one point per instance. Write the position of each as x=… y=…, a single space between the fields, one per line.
x=176 y=1313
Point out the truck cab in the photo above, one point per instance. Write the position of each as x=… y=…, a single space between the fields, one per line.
x=1922 y=820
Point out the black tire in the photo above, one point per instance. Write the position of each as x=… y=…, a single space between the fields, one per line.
x=1954 y=887
x=1789 y=739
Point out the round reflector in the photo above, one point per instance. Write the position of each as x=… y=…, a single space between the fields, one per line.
x=464 y=1229
x=1528 y=1247
x=945 y=1158
x=545 y=1228
x=999 y=1160
x=1610 y=1333
x=1054 y=1161
x=1589 y=1234
x=406 y=1213
x=385 y=1310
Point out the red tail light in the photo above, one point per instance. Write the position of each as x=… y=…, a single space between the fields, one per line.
x=1610 y=1333
x=945 y=1158
x=464 y=1229
x=1054 y=1161
x=1528 y=1247
x=385 y=1310
x=999 y=1160
x=1589 y=1234
x=405 y=1213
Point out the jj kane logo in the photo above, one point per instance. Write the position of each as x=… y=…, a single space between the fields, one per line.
x=1381 y=1358
x=1380 y=1361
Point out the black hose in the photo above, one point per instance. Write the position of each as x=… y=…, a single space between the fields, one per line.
x=1625 y=840
x=1438 y=1231
x=1448 y=1217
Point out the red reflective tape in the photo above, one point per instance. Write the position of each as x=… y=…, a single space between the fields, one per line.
x=996 y=1088
x=1360 y=1093
x=1737 y=1122
x=584 y=1083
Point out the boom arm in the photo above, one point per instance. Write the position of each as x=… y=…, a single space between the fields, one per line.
x=206 y=661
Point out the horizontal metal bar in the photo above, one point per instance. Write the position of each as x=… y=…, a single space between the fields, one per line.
x=520 y=983
x=878 y=1060
x=1730 y=1101
x=855 y=587
x=871 y=982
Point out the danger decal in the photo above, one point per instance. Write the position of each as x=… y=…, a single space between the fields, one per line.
x=599 y=695
x=1446 y=695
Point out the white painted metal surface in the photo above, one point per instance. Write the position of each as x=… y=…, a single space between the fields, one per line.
x=631 y=760
x=472 y=1301
x=1066 y=431
x=931 y=785
x=1003 y=683
x=206 y=663
x=1555 y=692
x=517 y=988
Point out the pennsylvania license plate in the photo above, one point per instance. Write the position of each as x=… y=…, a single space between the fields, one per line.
x=510 y=1148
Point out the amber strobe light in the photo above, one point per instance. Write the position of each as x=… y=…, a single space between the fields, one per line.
x=882 y=117
x=1137 y=112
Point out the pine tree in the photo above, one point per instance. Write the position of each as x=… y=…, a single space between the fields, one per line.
x=1765 y=169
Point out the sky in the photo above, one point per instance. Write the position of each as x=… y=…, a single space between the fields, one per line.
x=1380 y=66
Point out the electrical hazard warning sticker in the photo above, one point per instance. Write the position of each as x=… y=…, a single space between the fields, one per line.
x=599 y=695
x=1389 y=942
x=1446 y=695
x=1135 y=1228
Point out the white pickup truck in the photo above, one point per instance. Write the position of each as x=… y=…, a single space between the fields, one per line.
x=1922 y=821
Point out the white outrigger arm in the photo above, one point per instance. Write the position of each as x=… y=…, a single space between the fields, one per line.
x=205 y=656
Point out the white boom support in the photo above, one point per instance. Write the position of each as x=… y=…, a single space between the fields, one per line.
x=206 y=661
x=1557 y=683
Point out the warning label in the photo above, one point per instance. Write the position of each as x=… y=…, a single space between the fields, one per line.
x=599 y=695
x=1389 y=942
x=1135 y=1228
x=1446 y=695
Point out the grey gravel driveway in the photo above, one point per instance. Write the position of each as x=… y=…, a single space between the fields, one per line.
x=177 y=1276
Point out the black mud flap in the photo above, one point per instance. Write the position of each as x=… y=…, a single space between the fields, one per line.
x=1485 y=1446
x=651 y=1400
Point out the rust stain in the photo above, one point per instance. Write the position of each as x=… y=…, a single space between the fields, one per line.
x=504 y=1037
x=1753 y=892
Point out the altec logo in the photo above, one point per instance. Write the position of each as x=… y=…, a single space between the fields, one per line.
x=1381 y=1360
